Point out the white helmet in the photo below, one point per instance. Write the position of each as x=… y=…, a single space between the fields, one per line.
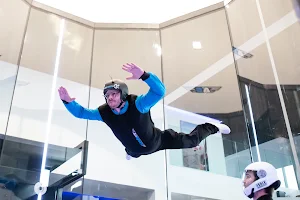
x=266 y=175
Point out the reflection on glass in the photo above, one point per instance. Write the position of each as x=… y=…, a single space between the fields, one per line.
x=21 y=164
x=11 y=38
x=196 y=157
x=53 y=92
x=291 y=180
x=41 y=142
x=252 y=123
x=268 y=134
x=7 y=84
x=283 y=28
x=13 y=24
x=281 y=177
x=207 y=91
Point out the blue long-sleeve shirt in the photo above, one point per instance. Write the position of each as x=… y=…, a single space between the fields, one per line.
x=143 y=102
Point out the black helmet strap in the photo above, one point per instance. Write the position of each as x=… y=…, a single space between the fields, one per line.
x=120 y=103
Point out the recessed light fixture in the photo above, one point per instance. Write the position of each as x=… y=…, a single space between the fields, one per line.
x=241 y=53
x=197 y=45
x=204 y=89
x=158 y=49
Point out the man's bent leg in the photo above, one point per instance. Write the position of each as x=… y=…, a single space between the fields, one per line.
x=171 y=139
x=174 y=140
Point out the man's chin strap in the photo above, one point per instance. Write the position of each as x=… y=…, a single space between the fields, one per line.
x=120 y=104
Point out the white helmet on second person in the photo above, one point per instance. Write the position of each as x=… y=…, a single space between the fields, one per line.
x=266 y=176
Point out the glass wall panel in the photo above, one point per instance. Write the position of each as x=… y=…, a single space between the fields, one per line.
x=216 y=67
x=13 y=25
x=50 y=60
x=11 y=38
x=283 y=30
x=42 y=136
x=138 y=178
x=202 y=86
x=264 y=114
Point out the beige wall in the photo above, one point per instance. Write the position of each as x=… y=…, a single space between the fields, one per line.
x=12 y=29
x=40 y=48
x=286 y=50
x=274 y=10
x=244 y=20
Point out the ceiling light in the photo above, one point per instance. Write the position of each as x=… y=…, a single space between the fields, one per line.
x=158 y=49
x=205 y=89
x=197 y=45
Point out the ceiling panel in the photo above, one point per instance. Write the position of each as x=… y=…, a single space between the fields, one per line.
x=133 y=11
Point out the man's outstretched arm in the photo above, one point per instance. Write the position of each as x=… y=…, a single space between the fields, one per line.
x=155 y=94
x=76 y=109
x=83 y=113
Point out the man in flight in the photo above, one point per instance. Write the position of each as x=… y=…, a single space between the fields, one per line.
x=128 y=116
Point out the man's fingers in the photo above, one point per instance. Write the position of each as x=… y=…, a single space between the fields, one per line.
x=133 y=65
x=126 y=68
x=130 y=78
x=65 y=91
x=62 y=91
x=130 y=64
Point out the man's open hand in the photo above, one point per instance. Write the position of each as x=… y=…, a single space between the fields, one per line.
x=64 y=95
x=136 y=71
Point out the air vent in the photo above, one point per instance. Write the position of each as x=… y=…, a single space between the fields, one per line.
x=241 y=53
x=205 y=89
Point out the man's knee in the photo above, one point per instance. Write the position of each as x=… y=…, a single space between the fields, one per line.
x=170 y=133
x=191 y=141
